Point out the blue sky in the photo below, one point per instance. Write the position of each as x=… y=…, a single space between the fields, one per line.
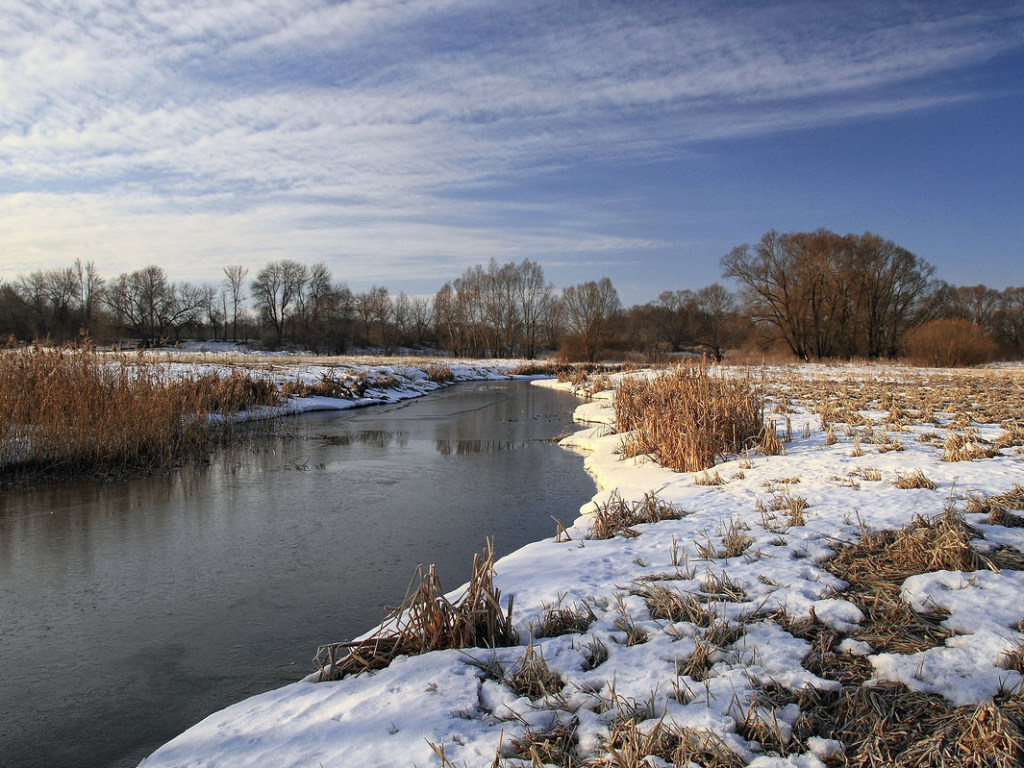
x=401 y=141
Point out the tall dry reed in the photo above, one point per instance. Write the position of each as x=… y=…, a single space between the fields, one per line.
x=689 y=418
x=77 y=410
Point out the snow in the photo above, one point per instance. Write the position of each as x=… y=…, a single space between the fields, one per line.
x=401 y=715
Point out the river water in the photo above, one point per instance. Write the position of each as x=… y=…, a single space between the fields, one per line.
x=131 y=610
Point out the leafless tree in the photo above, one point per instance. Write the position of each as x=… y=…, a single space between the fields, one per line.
x=147 y=305
x=277 y=287
x=830 y=295
x=589 y=310
x=234 y=282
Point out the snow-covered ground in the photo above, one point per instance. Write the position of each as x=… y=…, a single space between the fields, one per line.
x=447 y=708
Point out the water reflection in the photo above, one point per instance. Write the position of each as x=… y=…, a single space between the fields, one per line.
x=375 y=438
x=467 y=447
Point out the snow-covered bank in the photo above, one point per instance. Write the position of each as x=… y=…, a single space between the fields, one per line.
x=751 y=557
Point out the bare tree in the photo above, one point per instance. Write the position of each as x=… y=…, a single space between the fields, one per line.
x=145 y=304
x=589 y=310
x=277 y=287
x=234 y=282
x=422 y=316
x=830 y=295
x=716 y=319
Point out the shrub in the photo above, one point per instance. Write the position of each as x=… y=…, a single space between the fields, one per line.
x=950 y=344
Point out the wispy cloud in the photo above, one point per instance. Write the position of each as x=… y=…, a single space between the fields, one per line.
x=236 y=124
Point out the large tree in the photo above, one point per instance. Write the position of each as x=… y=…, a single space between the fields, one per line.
x=589 y=310
x=147 y=305
x=275 y=291
x=830 y=295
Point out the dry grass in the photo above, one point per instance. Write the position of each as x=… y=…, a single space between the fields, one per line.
x=963 y=447
x=440 y=373
x=532 y=677
x=630 y=746
x=553 y=745
x=792 y=509
x=428 y=621
x=885 y=559
x=879 y=563
x=70 y=411
x=557 y=621
x=617 y=516
x=1014 y=658
x=673 y=605
x=915 y=479
x=690 y=418
x=998 y=507
x=888 y=725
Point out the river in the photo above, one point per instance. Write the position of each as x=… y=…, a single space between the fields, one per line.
x=131 y=610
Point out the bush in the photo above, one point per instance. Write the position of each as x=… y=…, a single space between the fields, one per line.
x=950 y=344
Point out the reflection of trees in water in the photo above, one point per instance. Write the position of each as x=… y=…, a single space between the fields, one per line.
x=375 y=438
x=466 y=447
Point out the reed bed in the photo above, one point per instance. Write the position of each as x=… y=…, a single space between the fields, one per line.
x=76 y=410
x=691 y=418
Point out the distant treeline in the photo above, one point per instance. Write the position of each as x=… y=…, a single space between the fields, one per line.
x=816 y=295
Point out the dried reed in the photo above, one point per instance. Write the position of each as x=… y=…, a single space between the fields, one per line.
x=915 y=479
x=76 y=410
x=428 y=621
x=690 y=418
x=553 y=745
x=617 y=516
x=557 y=621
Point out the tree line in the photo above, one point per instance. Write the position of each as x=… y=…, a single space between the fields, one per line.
x=818 y=295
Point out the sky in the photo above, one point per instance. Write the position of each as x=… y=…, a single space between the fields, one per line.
x=402 y=141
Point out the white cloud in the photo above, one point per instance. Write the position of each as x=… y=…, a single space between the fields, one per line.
x=233 y=123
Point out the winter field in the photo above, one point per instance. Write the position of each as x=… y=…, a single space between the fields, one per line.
x=855 y=600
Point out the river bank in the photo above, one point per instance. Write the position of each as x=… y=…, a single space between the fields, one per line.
x=734 y=634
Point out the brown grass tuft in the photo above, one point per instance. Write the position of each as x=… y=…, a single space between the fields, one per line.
x=440 y=373
x=617 y=516
x=532 y=678
x=675 y=606
x=554 y=745
x=688 y=419
x=557 y=621
x=960 y=447
x=629 y=746
x=428 y=621
x=915 y=479
x=885 y=559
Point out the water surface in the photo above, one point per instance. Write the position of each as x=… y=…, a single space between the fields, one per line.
x=130 y=611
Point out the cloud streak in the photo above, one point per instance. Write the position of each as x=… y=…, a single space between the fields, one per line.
x=380 y=116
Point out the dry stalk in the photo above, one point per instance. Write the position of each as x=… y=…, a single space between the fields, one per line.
x=915 y=479
x=674 y=606
x=554 y=745
x=617 y=516
x=960 y=447
x=427 y=621
x=557 y=621
x=689 y=419
x=532 y=678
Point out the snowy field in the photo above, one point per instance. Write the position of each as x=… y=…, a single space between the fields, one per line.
x=725 y=636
